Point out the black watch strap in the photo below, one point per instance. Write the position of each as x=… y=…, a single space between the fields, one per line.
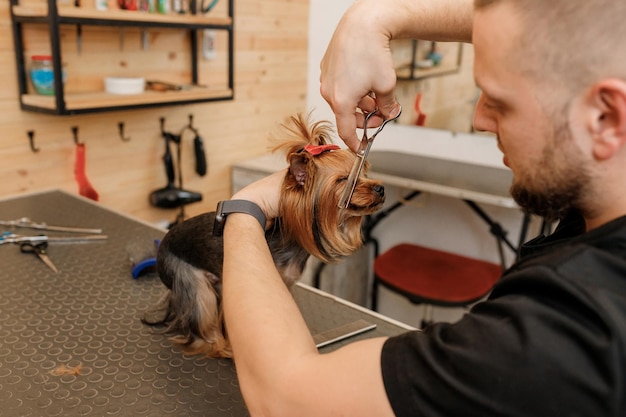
x=224 y=208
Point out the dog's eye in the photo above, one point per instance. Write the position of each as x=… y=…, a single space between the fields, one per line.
x=342 y=179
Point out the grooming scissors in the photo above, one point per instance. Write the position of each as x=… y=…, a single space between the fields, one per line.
x=39 y=250
x=25 y=222
x=8 y=237
x=361 y=157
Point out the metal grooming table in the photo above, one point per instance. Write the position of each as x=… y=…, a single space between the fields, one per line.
x=87 y=318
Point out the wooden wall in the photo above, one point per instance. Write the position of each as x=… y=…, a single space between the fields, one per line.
x=270 y=84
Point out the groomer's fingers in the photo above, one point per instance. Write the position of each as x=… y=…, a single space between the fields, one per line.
x=265 y=193
x=388 y=106
x=346 y=129
x=367 y=104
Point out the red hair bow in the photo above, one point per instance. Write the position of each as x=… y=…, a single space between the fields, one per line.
x=318 y=149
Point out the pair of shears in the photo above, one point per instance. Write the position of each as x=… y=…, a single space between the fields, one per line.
x=38 y=245
x=361 y=156
x=10 y=237
x=25 y=222
x=39 y=250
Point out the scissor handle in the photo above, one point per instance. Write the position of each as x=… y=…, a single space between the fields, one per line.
x=28 y=247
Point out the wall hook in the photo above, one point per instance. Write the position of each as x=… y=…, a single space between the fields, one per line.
x=120 y=125
x=31 y=139
x=162 y=120
x=189 y=126
x=75 y=133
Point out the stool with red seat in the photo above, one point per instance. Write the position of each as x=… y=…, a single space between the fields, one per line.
x=433 y=277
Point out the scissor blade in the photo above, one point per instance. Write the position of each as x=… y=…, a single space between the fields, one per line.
x=355 y=173
x=25 y=222
x=69 y=229
x=75 y=239
x=13 y=238
x=46 y=260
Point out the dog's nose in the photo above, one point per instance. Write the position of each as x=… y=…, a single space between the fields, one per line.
x=379 y=189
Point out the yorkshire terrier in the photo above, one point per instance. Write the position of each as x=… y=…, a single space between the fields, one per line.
x=310 y=222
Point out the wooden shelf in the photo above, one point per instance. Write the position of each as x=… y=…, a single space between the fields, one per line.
x=404 y=72
x=117 y=16
x=53 y=15
x=409 y=54
x=101 y=99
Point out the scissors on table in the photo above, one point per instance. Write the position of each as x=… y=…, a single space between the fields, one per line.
x=361 y=157
x=10 y=237
x=39 y=250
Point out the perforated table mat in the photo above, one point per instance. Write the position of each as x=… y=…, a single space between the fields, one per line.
x=72 y=344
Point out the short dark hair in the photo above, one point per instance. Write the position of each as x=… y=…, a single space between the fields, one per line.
x=573 y=42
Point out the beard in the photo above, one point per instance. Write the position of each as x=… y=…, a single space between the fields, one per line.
x=559 y=182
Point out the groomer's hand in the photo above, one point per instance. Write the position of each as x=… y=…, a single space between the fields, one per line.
x=265 y=193
x=358 y=62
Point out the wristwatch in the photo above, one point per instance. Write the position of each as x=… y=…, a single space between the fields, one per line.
x=224 y=208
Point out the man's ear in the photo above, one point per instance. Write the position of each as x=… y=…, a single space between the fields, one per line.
x=301 y=167
x=608 y=126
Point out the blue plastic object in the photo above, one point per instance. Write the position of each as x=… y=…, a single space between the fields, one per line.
x=147 y=263
x=141 y=266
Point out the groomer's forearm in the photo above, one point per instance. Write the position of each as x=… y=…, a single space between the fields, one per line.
x=263 y=322
x=439 y=20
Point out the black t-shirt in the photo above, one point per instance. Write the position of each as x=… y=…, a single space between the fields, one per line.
x=549 y=341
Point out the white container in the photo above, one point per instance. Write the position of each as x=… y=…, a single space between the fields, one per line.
x=124 y=85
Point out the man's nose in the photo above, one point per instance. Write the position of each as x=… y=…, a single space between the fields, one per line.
x=483 y=121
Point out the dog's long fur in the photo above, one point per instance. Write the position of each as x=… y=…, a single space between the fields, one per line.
x=189 y=259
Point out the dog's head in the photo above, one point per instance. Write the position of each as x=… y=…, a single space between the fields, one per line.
x=316 y=179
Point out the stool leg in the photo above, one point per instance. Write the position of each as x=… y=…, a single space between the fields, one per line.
x=427 y=318
x=374 y=302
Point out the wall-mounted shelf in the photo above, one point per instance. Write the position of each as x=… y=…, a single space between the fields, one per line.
x=76 y=103
x=409 y=68
x=63 y=103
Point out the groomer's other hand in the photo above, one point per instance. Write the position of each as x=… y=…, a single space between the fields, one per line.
x=265 y=193
x=358 y=62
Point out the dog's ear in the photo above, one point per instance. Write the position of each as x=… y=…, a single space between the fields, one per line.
x=301 y=167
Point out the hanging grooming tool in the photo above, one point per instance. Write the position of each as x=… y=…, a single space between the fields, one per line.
x=8 y=237
x=421 y=116
x=198 y=147
x=168 y=161
x=84 y=186
x=27 y=223
x=361 y=157
x=171 y=196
